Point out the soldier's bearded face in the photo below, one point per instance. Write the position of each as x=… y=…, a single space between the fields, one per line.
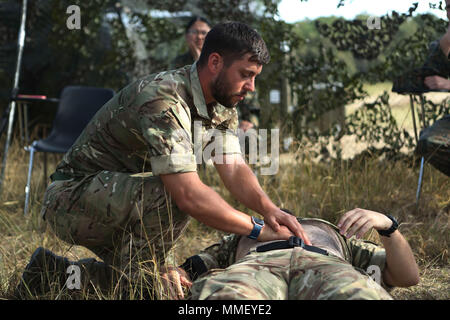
x=222 y=91
x=233 y=82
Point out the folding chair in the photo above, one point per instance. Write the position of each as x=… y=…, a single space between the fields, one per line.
x=412 y=84
x=422 y=149
x=77 y=106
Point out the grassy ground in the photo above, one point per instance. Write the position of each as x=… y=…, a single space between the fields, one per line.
x=307 y=188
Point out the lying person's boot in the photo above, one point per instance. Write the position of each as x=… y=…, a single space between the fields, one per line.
x=44 y=272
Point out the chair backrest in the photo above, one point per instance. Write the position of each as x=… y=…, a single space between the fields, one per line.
x=77 y=106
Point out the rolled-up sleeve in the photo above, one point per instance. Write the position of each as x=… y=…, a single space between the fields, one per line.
x=366 y=255
x=167 y=131
x=223 y=142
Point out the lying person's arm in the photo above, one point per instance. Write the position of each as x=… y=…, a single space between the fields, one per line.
x=400 y=267
x=219 y=255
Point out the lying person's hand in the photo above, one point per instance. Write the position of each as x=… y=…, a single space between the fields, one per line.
x=173 y=280
x=359 y=221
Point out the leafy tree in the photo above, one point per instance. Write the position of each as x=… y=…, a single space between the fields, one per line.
x=121 y=40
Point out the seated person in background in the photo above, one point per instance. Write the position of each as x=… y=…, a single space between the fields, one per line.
x=434 y=142
x=196 y=31
x=336 y=266
x=440 y=60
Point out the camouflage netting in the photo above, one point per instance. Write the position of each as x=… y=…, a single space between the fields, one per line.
x=121 y=40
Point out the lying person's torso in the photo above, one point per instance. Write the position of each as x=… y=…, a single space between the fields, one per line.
x=319 y=233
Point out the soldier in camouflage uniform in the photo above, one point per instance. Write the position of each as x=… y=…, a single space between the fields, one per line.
x=434 y=141
x=128 y=185
x=195 y=34
x=239 y=268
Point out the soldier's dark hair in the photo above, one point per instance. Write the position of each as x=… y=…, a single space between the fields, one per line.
x=232 y=40
x=194 y=19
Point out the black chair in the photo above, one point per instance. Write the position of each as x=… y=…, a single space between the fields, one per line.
x=77 y=106
x=434 y=144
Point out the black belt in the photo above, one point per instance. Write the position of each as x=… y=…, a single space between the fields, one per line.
x=291 y=243
x=58 y=176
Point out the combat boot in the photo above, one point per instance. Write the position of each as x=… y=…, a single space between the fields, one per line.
x=44 y=272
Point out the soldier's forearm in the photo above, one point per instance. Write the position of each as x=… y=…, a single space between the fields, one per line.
x=245 y=188
x=204 y=204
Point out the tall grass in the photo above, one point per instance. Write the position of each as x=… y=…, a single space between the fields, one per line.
x=309 y=189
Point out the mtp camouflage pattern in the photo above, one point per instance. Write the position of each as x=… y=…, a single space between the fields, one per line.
x=106 y=193
x=291 y=273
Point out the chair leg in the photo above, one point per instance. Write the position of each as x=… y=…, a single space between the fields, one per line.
x=27 y=188
x=419 y=185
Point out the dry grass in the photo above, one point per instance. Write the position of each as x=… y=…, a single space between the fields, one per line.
x=308 y=188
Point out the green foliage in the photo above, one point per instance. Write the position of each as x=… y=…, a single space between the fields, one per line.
x=326 y=61
x=379 y=56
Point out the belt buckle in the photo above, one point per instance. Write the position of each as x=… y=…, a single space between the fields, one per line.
x=296 y=242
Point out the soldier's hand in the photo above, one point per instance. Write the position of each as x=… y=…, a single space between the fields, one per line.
x=437 y=83
x=173 y=281
x=195 y=48
x=359 y=221
x=268 y=234
x=244 y=125
x=278 y=218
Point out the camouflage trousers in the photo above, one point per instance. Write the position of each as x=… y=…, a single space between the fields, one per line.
x=288 y=274
x=127 y=220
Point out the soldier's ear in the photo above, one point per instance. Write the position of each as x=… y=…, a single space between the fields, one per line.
x=215 y=63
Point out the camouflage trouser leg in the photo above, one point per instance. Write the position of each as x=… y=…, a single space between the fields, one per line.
x=317 y=277
x=257 y=276
x=127 y=220
x=287 y=274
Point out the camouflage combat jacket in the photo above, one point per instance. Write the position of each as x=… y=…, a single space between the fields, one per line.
x=359 y=253
x=149 y=127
